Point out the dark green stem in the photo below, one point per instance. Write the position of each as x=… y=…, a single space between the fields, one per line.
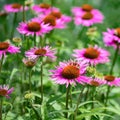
x=1 y=108
x=1 y=63
x=13 y=27
x=114 y=59
x=24 y=12
x=111 y=72
x=41 y=79
x=30 y=71
x=67 y=99
x=34 y=39
x=79 y=99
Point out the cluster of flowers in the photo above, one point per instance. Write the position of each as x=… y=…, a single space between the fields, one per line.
x=69 y=72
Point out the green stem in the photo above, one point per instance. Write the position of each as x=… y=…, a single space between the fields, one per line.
x=30 y=71
x=79 y=99
x=114 y=59
x=34 y=39
x=41 y=79
x=24 y=12
x=13 y=27
x=67 y=99
x=28 y=43
x=111 y=72
x=1 y=101
x=1 y=63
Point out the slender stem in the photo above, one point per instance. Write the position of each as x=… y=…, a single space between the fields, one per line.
x=1 y=108
x=41 y=79
x=67 y=99
x=114 y=59
x=13 y=27
x=30 y=71
x=111 y=72
x=1 y=63
x=34 y=39
x=28 y=43
x=79 y=99
x=24 y=11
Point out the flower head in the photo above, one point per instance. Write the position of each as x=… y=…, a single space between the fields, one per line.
x=29 y=63
x=34 y=26
x=69 y=72
x=5 y=91
x=112 y=37
x=40 y=52
x=7 y=47
x=13 y=8
x=87 y=15
x=94 y=81
x=55 y=19
x=93 y=55
x=112 y=80
x=43 y=8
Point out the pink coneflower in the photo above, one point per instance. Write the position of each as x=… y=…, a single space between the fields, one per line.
x=13 y=8
x=87 y=15
x=111 y=37
x=93 y=55
x=33 y=27
x=69 y=72
x=43 y=8
x=55 y=19
x=5 y=91
x=112 y=80
x=35 y=52
x=94 y=81
x=29 y=63
x=7 y=47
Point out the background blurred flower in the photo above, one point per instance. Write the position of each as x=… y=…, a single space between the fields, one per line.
x=13 y=8
x=7 y=47
x=40 y=52
x=5 y=91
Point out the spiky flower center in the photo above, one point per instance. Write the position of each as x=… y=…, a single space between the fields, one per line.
x=70 y=72
x=91 y=53
x=33 y=26
x=87 y=16
x=3 y=92
x=4 y=45
x=56 y=14
x=87 y=7
x=117 y=32
x=50 y=19
x=94 y=83
x=109 y=78
x=16 y=6
x=44 y=5
x=40 y=51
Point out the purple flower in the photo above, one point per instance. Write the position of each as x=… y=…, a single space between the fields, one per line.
x=5 y=91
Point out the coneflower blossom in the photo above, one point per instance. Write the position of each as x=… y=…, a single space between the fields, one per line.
x=112 y=80
x=56 y=19
x=94 y=81
x=29 y=63
x=112 y=37
x=87 y=15
x=35 y=52
x=7 y=47
x=5 y=91
x=43 y=8
x=69 y=72
x=92 y=55
x=13 y=8
x=33 y=27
